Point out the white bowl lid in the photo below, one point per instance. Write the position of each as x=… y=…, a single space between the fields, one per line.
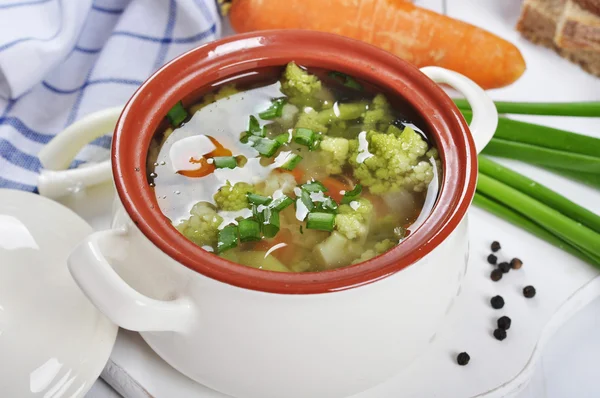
x=53 y=340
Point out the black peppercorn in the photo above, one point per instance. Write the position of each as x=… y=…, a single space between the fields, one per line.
x=500 y=334
x=529 y=291
x=504 y=267
x=515 y=263
x=504 y=323
x=492 y=259
x=497 y=302
x=496 y=275
x=495 y=246
x=463 y=358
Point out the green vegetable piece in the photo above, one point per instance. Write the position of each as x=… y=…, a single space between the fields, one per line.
x=283 y=138
x=589 y=109
x=306 y=200
x=225 y=162
x=274 y=111
x=177 y=114
x=281 y=203
x=314 y=186
x=249 y=230
x=320 y=221
x=292 y=162
x=254 y=127
x=328 y=206
x=270 y=223
x=346 y=80
x=352 y=195
x=266 y=146
x=304 y=137
x=228 y=238
x=256 y=199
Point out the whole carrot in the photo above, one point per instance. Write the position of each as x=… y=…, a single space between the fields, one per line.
x=420 y=36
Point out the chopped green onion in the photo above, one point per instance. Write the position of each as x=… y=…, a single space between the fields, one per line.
x=346 y=80
x=244 y=137
x=256 y=199
x=306 y=200
x=352 y=195
x=225 y=162
x=249 y=230
x=314 y=186
x=304 y=137
x=228 y=238
x=270 y=223
x=281 y=203
x=283 y=138
x=177 y=114
x=328 y=206
x=254 y=127
x=320 y=221
x=292 y=162
x=266 y=146
x=590 y=109
x=274 y=111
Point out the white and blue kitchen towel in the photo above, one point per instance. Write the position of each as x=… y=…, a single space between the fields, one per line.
x=62 y=59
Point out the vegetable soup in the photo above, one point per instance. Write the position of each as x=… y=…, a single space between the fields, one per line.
x=293 y=170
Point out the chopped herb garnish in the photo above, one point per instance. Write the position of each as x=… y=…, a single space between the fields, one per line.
x=346 y=80
x=306 y=200
x=258 y=199
x=304 y=137
x=320 y=221
x=274 y=111
x=352 y=195
x=225 y=162
x=228 y=238
x=281 y=203
x=328 y=206
x=266 y=146
x=301 y=230
x=177 y=114
x=291 y=162
x=254 y=127
x=270 y=222
x=249 y=230
x=283 y=138
x=314 y=186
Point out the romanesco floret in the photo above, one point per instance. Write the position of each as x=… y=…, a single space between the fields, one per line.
x=352 y=219
x=378 y=112
x=334 y=152
x=309 y=119
x=394 y=164
x=378 y=248
x=299 y=83
x=232 y=198
x=202 y=226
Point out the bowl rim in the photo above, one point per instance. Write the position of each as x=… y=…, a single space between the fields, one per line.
x=239 y=53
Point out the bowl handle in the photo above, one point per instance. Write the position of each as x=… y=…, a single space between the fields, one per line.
x=55 y=180
x=485 y=116
x=122 y=304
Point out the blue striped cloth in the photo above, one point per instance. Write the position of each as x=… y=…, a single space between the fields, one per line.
x=62 y=59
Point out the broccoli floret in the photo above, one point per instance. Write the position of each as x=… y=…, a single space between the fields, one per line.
x=232 y=198
x=352 y=220
x=309 y=119
x=334 y=153
x=394 y=162
x=202 y=226
x=299 y=84
x=379 y=112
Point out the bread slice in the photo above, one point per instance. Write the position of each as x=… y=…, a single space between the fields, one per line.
x=592 y=6
x=578 y=28
x=538 y=22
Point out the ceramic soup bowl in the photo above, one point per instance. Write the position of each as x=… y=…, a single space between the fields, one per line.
x=259 y=334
